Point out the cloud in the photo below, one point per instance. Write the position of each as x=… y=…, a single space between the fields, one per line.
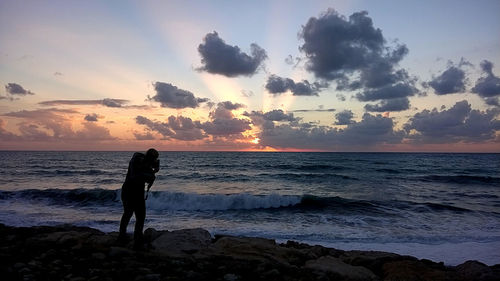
x=450 y=81
x=336 y=47
x=344 y=117
x=145 y=136
x=492 y=101
x=223 y=121
x=6 y=135
x=279 y=115
x=247 y=94
x=260 y=118
x=170 y=96
x=225 y=127
x=219 y=58
x=314 y=110
x=16 y=89
x=488 y=85
x=180 y=128
x=54 y=125
x=398 y=104
x=224 y=110
x=399 y=90
x=231 y=106
x=279 y=85
x=460 y=123
x=91 y=117
x=93 y=132
x=371 y=130
x=105 y=102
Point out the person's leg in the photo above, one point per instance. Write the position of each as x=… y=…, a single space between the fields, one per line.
x=127 y=214
x=140 y=216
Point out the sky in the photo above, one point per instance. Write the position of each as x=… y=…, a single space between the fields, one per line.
x=416 y=76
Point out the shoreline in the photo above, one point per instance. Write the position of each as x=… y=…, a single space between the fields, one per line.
x=80 y=253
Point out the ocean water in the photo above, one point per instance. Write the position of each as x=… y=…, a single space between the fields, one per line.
x=444 y=207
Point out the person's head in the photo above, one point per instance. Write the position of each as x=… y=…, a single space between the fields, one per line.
x=152 y=154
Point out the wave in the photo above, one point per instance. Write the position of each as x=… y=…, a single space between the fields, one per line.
x=178 y=201
x=157 y=200
x=80 y=196
x=188 y=201
x=462 y=179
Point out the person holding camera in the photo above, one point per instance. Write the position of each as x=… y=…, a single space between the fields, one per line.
x=141 y=170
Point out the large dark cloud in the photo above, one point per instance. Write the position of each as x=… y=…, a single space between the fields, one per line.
x=336 y=47
x=16 y=89
x=220 y=58
x=344 y=117
x=489 y=84
x=105 y=102
x=180 y=128
x=398 y=104
x=460 y=123
x=355 y=54
x=279 y=85
x=169 y=95
x=450 y=81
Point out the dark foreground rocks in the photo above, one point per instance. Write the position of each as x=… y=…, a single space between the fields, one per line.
x=77 y=253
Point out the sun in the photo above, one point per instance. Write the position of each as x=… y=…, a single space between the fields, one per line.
x=255 y=140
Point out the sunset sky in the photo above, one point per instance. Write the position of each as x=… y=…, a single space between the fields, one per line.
x=250 y=75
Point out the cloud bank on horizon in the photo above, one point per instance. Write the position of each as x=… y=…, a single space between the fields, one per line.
x=347 y=56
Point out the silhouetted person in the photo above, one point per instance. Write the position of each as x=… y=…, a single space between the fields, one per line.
x=141 y=170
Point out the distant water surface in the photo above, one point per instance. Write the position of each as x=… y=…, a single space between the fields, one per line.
x=444 y=207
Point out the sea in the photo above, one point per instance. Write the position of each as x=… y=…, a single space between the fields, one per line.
x=443 y=207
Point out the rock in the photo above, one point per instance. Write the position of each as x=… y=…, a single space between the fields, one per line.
x=151 y=234
x=182 y=242
x=119 y=252
x=149 y=277
x=409 y=270
x=19 y=265
x=231 y=277
x=98 y=256
x=338 y=267
x=73 y=253
x=474 y=270
x=255 y=249
x=373 y=260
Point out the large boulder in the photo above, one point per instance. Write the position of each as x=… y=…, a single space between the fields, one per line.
x=414 y=270
x=474 y=270
x=255 y=249
x=336 y=266
x=181 y=242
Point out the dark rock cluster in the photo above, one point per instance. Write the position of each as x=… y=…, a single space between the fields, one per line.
x=79 y=253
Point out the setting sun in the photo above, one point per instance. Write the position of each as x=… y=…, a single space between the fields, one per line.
x=255 y=140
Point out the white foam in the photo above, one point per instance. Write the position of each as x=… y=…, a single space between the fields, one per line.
x=191 y=201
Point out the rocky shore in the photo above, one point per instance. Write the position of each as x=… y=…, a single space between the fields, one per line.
x=79 y=253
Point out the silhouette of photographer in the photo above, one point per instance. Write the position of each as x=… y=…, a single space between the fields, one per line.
x=141 y=170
